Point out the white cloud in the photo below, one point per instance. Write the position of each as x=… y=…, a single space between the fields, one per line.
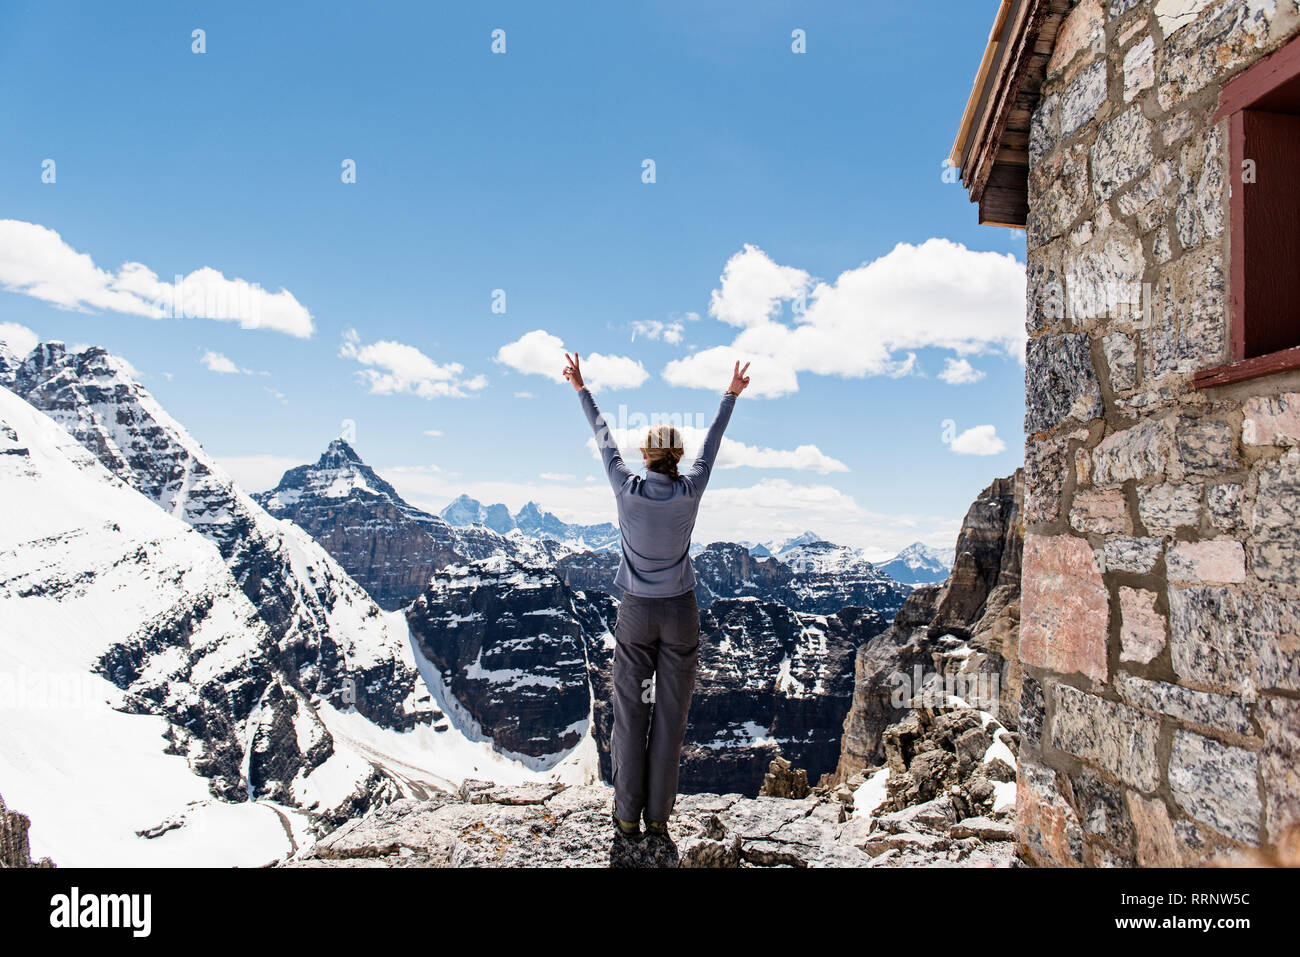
x=257 y=473
x=394 y=368
x=959 y=372
x=555 y=476
x=732 y=454
x=980 y=440
x=540 y=353
x=36 y=262
x=433 y=433
x=753 y=288
x=18 y=339
x=669 y=332
x=524 y=395
x=936 y=295
x=216 y=362
x=904 y=367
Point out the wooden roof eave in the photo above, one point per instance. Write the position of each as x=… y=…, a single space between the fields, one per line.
x=992 y=144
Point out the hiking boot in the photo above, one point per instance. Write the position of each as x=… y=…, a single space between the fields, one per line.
x=628 y=829
x=657 y=829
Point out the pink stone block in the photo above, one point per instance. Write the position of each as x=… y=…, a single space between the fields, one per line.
x=1271 y=420
x=1142 y=628
x=1065 y=608
x=1221 y=560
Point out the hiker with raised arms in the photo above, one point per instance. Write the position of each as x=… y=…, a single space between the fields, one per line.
x=657 y=633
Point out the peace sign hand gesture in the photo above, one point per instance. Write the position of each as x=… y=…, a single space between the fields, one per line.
x=573 y=372
x=739 y=380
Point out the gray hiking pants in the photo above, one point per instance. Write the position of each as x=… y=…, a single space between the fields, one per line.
x=657 y=637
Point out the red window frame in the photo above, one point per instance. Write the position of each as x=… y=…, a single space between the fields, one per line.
x=1262 y=105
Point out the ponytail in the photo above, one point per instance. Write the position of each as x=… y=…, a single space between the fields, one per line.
x=664 y=450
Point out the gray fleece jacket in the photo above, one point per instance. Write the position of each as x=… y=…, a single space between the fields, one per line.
x=656 y=514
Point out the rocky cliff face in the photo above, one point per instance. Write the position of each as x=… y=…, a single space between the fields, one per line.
x=958 y=640
x=141 y=679
x=771 y=681
x=14 y=848
x=817 y=578
x=529 y=659
x=826 y=577
x=728 y=570
x=386 y=544
x=511 y=644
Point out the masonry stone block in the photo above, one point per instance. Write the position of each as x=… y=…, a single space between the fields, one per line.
x=1114 y=736
x=1217 y=784
x=1137 y=556
x=1272 y=420
x=1142 y=627
x=1046 y=825
x=1167 y=507
x=1060 y=382
x=1229 y=713
x=1122 y=152
x=1140 y=452
x=1274 y=542
x=1103 y=511
x=1215 y=560
x=1064 y=606
x=1280 y=763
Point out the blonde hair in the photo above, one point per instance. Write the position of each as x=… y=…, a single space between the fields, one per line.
x=663 y=449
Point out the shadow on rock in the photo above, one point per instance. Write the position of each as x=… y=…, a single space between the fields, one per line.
x=646 y=852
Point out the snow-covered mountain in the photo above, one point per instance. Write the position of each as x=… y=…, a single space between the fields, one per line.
x=532 y=522
x=388 y=545
x=919 y=564
x=221 y=659
x=9 y=361
x=141 y=662
x=820 y=578
x=327 y=633
x=821 y=556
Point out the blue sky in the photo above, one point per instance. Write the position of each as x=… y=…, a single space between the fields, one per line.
x=523 y=172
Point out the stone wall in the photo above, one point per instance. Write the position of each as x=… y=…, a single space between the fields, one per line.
x=1160 y=630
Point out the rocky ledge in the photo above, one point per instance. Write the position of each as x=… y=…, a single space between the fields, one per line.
x=545 y=825
x=14 y=849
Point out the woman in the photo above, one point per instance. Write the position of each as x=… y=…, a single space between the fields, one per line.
x=658 y=628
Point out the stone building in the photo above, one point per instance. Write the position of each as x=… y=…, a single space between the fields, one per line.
x=1149 y=151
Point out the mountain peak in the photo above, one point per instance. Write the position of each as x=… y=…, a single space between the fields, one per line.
x=919 y=564
x=531 y=520
x=339 y=473
x=807 y=538
x=463 y=511
x=531 y=510
x=338 y=454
